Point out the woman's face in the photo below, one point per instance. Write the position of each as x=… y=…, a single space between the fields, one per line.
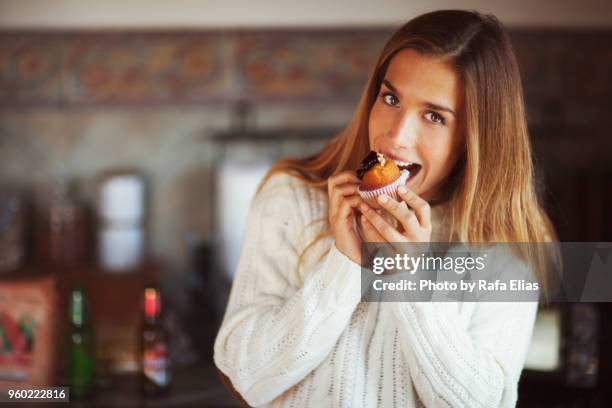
x=416 y=119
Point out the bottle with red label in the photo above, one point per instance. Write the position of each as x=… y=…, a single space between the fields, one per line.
x=155 y=367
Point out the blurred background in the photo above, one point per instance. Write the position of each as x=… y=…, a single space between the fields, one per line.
x=133 y=135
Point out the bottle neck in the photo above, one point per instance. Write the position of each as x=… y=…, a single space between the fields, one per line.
x=152 y=305
x=78 y=315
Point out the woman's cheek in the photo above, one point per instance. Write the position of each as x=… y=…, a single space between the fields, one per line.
x=439 y=143
x=442 y=162
x=436 y=149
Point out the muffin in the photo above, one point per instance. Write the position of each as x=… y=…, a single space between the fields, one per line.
x=379 y=175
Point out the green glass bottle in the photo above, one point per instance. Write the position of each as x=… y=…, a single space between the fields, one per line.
x=81 y=355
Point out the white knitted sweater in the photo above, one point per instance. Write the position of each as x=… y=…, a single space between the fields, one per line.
x=308 y=341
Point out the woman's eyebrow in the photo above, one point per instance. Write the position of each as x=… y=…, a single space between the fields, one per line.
x=390 y=86
x=430 y=105
x=440 y=108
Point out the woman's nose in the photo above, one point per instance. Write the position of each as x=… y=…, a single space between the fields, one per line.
x=403 y=131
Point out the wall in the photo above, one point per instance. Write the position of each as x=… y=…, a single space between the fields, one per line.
x=73 y=105
x=281 y=13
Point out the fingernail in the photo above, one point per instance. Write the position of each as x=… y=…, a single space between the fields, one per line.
x=383 y=198
x=402 y=189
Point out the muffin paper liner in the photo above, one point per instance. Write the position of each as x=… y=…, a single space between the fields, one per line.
x=390 y=189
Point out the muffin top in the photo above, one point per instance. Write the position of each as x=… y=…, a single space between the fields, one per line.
x=376 y=171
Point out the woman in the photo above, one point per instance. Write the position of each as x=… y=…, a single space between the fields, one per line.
x=445 y=95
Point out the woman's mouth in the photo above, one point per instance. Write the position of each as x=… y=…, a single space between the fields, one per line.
x=413 y=168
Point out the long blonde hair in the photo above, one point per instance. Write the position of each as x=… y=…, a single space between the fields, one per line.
x=492 y=189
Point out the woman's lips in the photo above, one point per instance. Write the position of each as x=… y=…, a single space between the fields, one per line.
x=413 y=168
x=414 y=172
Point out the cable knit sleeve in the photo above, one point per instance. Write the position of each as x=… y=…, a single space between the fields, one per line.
x=475 y=365
x=276 y=331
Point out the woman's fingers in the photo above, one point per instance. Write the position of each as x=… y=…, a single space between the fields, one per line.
x=341 y=178
x=348 y=203
x=411 y=225
x=403 y=214
x=338 y=187
x=340 y=191
x=419 y=206
x=342 y=200
x=370 y=234
x=385 y=230
x=345 y=210
x=341 y=218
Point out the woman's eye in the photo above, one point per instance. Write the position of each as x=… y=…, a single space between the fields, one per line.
x=390 y=99
x=434 y=117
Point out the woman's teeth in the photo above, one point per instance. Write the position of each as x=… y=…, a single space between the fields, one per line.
x=407 y=165
x=412 y=168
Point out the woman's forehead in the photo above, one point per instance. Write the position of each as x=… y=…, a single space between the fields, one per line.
x=425 y=78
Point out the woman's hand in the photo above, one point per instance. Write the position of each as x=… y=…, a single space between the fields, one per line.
x=413 y=214
x=343 y=199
